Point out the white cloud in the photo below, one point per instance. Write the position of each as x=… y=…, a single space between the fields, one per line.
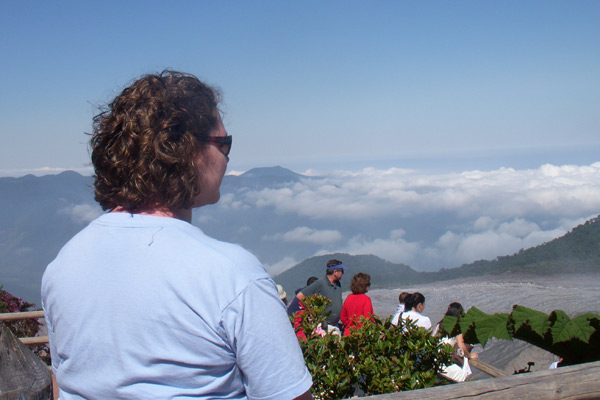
x=244 y=229
x=82 y=213
x=501 y=194
x=230 y=201
x=281 y=266
x=307 y=235
x=483 y=223
x=393 y=248
x=21 y=251
x=455 y=248
x=518 y=228
x=205 y=219
x=431 y=220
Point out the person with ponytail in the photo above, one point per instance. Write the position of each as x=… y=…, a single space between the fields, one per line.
x=414 y=306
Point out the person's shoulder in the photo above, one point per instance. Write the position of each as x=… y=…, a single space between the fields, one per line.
x=317 y=283
x=189 y=243
x=313 y=288
x=183 y=234
x=235 y=256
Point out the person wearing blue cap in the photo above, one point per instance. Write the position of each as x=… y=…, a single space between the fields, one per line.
x=330 y=287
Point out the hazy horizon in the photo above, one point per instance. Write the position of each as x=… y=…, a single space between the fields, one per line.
x=317 y=85
x=458 y=161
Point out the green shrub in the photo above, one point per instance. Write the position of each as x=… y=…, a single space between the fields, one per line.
x=376 y=358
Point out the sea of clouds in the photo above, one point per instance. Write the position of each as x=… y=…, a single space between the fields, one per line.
x=428 y=220
x=423 y=219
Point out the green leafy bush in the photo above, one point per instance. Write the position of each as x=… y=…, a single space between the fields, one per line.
x=376 y=358
x=575 y=340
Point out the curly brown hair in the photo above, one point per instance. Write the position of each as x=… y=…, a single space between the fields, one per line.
x=360 y=283
x=143 y=143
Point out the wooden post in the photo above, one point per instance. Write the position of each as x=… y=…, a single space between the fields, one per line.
x=487 y=368
x=24 y=375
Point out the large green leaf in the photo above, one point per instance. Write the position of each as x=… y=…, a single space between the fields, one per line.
x=449 y=326
x=492 y=326
x=536 y=321
x=477 y=326
x=531 y=326
x=576 y=340
x=468 y=324
x=565 y=329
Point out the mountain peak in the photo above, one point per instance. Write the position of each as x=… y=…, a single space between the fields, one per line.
x=277 y=171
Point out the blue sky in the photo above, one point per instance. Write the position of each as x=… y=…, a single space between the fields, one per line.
x=313 y=84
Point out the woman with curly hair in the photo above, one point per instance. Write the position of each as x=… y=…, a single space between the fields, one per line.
x=141 y=304
x=357 y=304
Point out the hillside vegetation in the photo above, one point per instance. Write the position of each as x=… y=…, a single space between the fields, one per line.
x=577 y=251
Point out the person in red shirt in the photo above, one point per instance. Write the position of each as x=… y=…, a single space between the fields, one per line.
x=358 y=303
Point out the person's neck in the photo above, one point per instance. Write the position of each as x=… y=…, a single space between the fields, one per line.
x=332 y=279
x=184 y=215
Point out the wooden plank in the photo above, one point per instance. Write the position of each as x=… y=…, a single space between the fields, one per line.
x=21 y=315
x=576 y=382
x=487 y=368
x=34 y=340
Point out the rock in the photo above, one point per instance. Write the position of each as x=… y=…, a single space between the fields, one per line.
x=24 y=375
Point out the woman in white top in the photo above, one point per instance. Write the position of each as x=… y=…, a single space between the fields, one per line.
x=459 y=371
x=415 y=304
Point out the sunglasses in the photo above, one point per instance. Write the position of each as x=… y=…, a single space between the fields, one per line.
x=223 y=143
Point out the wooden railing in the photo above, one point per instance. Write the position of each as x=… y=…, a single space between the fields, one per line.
x=580 y=381
x=26 y=315
x=575 y=382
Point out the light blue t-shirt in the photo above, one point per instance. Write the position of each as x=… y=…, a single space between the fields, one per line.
x=145 y=307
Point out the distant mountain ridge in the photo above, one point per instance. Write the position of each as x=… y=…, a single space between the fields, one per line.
x=277 y=172
x=38 y=215
x=262 y=177
x=577 y=251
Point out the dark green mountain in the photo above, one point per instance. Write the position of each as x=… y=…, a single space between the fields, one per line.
x=577 y=251
x=383 y=273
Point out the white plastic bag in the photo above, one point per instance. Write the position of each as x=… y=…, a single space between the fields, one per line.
x=456 y=372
